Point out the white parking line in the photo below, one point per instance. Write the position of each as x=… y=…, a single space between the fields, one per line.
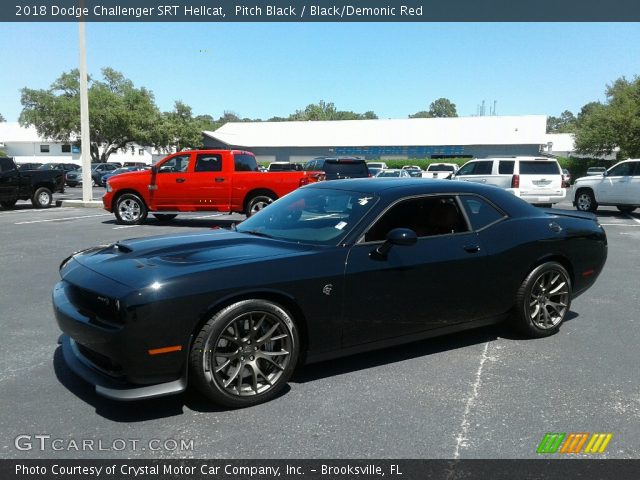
x=619 y=224
x=633 y=218
x=125 y=226
x=61 y=219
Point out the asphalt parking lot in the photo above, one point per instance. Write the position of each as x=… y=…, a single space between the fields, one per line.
x=487 y=393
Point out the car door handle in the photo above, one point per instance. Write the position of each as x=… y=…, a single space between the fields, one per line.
x=180 y=180
x=472 y=248
x=219 y=179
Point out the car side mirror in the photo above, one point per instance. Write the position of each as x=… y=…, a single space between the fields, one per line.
x=404 y=237
x=605 y=173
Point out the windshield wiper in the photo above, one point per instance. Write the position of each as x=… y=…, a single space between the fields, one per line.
x=256 y=233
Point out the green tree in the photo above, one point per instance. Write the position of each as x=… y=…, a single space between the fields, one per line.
x=565 y=123
x=119 y=113
x=2 y=118
x=442 y=107
x=328 y=111
x=616 y=123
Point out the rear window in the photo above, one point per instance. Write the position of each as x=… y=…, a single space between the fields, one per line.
x=245 y=163
x=440 y=168
x=346 y=168
x=537 y=167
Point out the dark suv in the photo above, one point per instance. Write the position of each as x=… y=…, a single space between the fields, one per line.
x=336 y=168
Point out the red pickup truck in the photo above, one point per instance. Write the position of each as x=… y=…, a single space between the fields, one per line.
x=199 y=180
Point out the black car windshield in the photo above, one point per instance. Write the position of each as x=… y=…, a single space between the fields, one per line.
x=318 y=216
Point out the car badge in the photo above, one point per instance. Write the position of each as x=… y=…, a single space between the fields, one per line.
x=327 y=289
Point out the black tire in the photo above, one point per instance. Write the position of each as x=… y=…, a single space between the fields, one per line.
x=9 y=203
x=543 y=300
x=257 y=203
x=625 y=208
x=245 y=354
x=165 y=217
x=71 y=184
x=585 y=201
x=42 y=198
x=129 y=209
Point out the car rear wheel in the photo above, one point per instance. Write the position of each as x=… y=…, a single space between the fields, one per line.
x=543 y=300
x=245 y=353
x=165 y=217
x=130 y=209
x=625 y=208
x=42 y=198
x=257 y=203
x=585 y=201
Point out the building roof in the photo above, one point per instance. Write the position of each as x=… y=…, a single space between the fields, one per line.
x=492 y=130
x=13 y=132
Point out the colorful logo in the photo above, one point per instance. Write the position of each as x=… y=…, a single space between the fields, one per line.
x=574 y=443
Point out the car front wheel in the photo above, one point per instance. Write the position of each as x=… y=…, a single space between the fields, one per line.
x=245 y=353
x=543 y=300
x=585 y=201
x=130 y=209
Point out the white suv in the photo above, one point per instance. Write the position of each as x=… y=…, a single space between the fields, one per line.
x=619 y=186
x=538 y=180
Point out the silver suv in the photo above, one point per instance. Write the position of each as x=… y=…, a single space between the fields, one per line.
x=538 y=180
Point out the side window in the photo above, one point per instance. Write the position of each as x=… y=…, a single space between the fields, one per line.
x=176 y=164
x=467 y=169
x=208 y=163
x=6 y=165
x=636 y=169
x=484 y=168
x=480 y=212
x=427 y=216
x=621 y=170
x=505 y=167
x=245 y=163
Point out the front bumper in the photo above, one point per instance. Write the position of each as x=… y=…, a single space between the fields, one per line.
x=113 y=387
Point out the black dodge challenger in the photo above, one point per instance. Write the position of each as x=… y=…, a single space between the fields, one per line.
x=331 y=269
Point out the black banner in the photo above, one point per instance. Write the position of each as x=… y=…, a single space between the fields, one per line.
x=319 y=11
x=320 y=469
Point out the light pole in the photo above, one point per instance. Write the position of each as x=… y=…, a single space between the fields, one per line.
x=85 y=141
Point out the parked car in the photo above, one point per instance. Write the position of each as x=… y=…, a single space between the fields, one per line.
x=380 y=165
x=28 y=166
x=65 y=167
x=35 y=185
x=118 y=171
x=99 y=169
x=596 y=170
x=393 y=172
x=338 y=168
x=619 y=186
x=374 y=171
x=285 y=167
x=74 y=177
x=440 y=170
x=331 y=269
x=538 y=180
x=413 y=170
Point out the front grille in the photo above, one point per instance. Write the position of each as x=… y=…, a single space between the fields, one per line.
x=102 y=362
x=96 y=307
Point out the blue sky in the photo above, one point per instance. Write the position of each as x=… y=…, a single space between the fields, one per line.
x=260 y=70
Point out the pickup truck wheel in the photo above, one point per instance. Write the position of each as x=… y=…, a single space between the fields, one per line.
x=8 y=203
x=42 y=198
x=165 y=217
x=585 y=201
x=257 y=203
x=130 y=209
x=245 y=353
x=625 y=208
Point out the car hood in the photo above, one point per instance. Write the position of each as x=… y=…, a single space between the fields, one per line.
x=136 y=262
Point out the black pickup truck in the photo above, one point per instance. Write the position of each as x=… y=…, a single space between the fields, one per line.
x=37 y=185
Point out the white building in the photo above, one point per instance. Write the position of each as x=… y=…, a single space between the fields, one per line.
x=386 y=139
x=25 y=145
x=564 y=145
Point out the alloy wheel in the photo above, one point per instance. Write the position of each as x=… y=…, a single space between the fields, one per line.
x=129 y=210
x=549 y=299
